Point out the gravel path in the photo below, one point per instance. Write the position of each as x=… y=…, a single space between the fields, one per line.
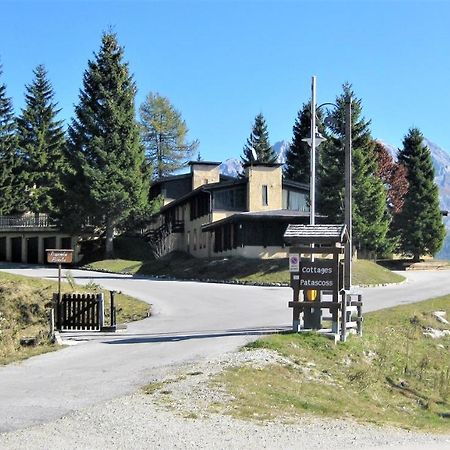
x=177 y=415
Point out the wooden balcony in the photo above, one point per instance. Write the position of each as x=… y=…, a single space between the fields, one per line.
x=27 y=222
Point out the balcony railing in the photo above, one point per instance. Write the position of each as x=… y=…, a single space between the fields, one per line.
x=26 y=221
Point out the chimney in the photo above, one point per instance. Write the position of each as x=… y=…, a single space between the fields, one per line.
x=204 y=172
x=264 y=187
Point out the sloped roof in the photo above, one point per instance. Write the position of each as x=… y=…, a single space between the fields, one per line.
x=316 y=234
x=280 y=215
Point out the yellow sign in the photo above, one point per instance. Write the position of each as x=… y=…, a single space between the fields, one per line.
x=311 y=294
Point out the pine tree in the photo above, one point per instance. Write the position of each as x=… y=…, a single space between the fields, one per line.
x=298 y=156
x=11 y=198
x=41 y=144
x=164 y=133
x=370 y=217
x=110 y=175
x=259 y=142
x=419 y=224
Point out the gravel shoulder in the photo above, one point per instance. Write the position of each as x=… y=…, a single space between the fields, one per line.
x=179 y=413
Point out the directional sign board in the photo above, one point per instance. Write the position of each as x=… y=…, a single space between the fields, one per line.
x=319 y=274
x=57 y=256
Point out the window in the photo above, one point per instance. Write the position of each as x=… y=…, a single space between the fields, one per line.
x=199 y=205
x=294 y=200
x=265 y=195
x=231 y=199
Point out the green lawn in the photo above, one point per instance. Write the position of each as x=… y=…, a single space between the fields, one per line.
x=24 y=312
x=367 y=272
x=182 y=266
x=392 y=375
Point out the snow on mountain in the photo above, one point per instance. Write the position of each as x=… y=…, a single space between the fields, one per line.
x=231 y=167
x=439 y=156
x=390 y=148
x=280 y=148
x=441 y=163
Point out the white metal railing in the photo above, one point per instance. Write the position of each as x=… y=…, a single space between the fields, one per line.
x=26 y=221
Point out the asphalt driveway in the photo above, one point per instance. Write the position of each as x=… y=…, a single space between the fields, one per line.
x=191 y=321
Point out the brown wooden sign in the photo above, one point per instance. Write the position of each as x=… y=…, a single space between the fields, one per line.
x=57 y=256
x=322 y=275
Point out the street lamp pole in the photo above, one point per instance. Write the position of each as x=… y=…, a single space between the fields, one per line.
x=316 y=140
x=312 y=182
x=348 y=193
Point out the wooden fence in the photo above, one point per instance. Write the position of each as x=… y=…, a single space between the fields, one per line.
x=79 y=312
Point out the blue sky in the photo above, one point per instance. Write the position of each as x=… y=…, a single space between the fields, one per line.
x=221 y=63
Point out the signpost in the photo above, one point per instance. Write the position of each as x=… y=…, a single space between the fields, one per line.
x=319 y=284
x=59 y=256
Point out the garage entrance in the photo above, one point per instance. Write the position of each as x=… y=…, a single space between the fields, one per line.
x=16 y=249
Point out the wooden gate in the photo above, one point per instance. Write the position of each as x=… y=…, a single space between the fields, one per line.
x=79 y=312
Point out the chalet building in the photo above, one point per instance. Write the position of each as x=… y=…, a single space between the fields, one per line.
x=207 y=214
x=24 y=238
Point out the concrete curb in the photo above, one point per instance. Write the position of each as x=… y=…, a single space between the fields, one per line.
x=382 y=284
x=211 y=280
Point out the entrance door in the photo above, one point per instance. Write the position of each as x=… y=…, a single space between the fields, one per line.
x=32 y=250
x=16 y=249
x=2 y=248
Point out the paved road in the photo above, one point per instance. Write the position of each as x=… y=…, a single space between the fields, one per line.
x=190 y=321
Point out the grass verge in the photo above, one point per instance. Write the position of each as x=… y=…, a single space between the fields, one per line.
x=182 y=266
x=24 y=312
x=394 y=375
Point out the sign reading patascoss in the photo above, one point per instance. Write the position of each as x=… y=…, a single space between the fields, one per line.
x=57 y=256
x=320 y=275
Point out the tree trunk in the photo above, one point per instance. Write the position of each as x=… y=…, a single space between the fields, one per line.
x=416 y=257
x=109 y=247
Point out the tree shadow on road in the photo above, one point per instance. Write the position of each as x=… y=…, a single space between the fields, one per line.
x=176 y=337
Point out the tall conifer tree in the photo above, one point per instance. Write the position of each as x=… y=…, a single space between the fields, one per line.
x=259 y=142
x=110 y=174
x=164 y=133
x=12 y=192
x=298 y=156
x=419 y=223
x=41 y=144
x=370 y=218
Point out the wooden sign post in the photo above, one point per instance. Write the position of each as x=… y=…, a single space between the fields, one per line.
x=59 y=256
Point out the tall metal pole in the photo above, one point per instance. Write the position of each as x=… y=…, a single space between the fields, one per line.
x=312 y=181
x=348 y=192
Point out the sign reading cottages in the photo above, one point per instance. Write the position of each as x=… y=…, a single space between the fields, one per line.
x=319 y=274
x=59 y=256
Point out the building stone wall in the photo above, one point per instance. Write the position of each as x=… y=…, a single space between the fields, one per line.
x=220 y=214
x=204 y=174
x=196 y=241
x=255 y=251
x=258 y=176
